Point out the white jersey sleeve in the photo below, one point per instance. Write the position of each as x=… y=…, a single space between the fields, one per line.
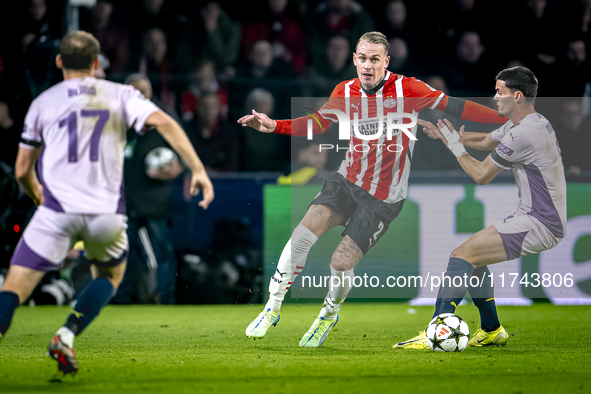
x=499 y=133
x=31 y=135
x=137 y=109
x=515 y=147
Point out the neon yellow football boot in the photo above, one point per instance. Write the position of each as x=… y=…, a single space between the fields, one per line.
x=318 y=332
x=419 y=342
x=494 y=338
x=259 y=326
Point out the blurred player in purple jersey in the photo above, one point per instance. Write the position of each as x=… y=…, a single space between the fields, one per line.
x=76 y=131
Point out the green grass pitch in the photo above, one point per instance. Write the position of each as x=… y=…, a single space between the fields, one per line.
x=186 y=349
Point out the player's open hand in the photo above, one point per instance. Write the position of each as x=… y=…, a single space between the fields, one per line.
x=200 y=180
x=258 y=121
x=446 y=123
x=430 y=129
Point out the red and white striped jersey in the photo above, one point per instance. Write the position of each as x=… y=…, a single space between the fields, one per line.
x=381 y=166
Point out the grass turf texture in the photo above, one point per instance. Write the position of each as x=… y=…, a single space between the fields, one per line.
x=182 y=349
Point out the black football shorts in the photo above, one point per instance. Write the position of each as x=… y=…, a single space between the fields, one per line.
x=366 y=219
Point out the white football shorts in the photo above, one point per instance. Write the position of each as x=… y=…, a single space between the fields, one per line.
x=524 y=234
x=50 y=235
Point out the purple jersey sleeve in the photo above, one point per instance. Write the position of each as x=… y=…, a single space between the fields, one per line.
x=137 y=109
x=31 y=135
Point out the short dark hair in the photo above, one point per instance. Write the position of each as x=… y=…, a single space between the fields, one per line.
x=522 y=79
x=79 y=50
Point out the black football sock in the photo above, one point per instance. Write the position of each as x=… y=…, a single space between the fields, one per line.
x=91 y=301
x=483 y=297
x=8 y=303
x=452 y=293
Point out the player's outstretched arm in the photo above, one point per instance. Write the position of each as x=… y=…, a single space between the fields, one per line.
x=178 y=140
x=258 y=121
x=473 y=140
x=469 y=110
x=479 y=141
x=482 y=172
x=430 y=129
x=296 y=127
x=25 y=173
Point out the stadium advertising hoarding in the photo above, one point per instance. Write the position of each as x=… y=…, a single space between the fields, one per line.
x=409 y=261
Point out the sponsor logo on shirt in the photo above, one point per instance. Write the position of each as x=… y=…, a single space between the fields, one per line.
x=371 y=126
x=505 y=150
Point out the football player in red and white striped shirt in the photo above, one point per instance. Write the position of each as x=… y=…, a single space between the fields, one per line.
x=368 y=191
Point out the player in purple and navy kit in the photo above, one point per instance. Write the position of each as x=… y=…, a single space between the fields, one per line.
x=76 y=131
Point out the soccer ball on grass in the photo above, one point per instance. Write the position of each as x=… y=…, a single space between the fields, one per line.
x=447 y=333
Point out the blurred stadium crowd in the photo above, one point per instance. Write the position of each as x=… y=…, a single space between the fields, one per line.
x=210 y=62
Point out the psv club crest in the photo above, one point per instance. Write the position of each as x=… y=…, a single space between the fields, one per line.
x=390 y=103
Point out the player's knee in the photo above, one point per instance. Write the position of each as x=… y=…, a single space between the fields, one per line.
x=338 y=264
x=346 y=256
x=456 y=253
x=20 y=291
x=113 y=274
x=461 y=252
x=117 y=275
x=320 y=218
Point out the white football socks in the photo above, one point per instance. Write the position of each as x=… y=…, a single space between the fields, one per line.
x=290 y=265
x=66 y=335
x=338 y=291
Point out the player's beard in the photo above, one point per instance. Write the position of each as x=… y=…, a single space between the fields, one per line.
x=374 y=85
